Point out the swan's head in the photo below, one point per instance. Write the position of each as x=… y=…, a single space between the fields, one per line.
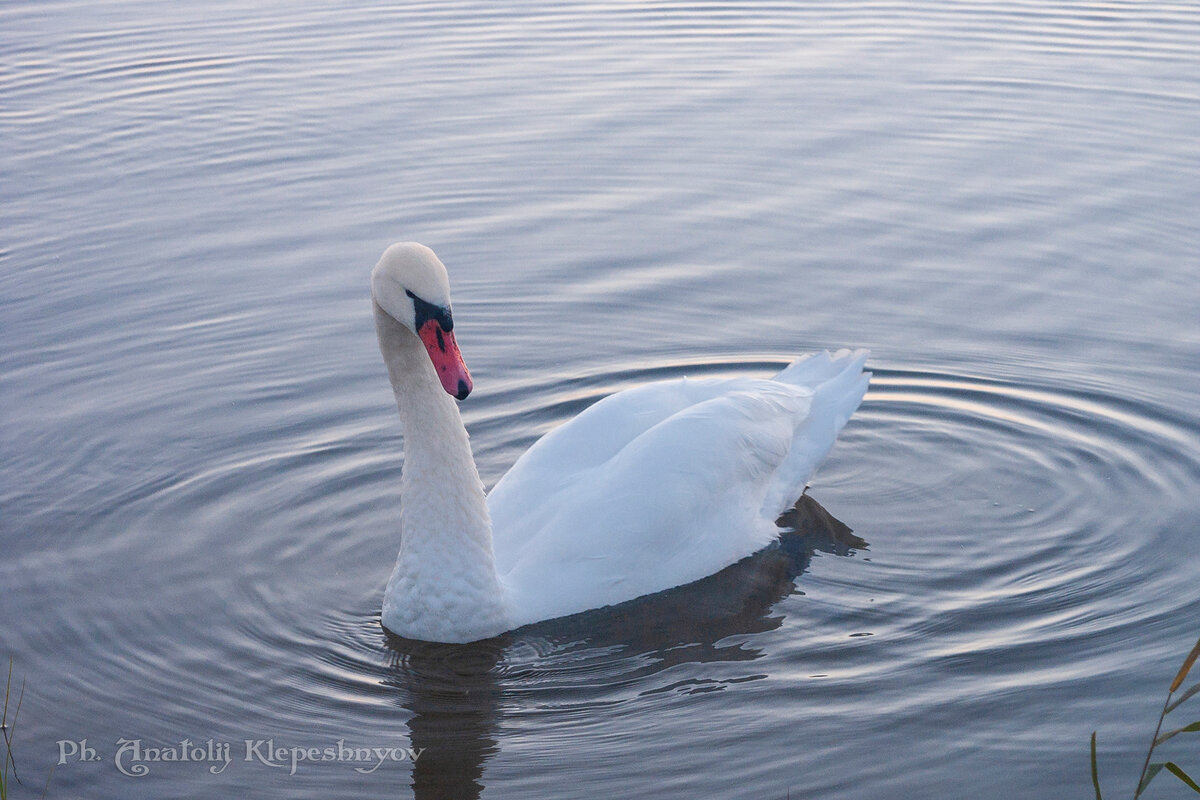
x=410 y=284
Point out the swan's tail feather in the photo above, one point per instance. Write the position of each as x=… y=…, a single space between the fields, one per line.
x=816 y=368
x=838 y=383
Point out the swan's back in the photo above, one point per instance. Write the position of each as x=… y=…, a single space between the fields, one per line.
x=664 y=484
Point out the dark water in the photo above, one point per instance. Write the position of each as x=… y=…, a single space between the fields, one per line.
x=200 y=450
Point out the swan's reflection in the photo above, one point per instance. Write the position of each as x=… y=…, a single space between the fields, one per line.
x=454 y=691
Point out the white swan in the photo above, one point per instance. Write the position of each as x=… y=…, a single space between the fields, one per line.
x=648 y=489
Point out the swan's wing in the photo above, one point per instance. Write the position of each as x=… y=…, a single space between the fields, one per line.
x=662 y=485
x=526 y=496
x=679 y=502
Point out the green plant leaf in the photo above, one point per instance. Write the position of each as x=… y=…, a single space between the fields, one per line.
x=1195 y=726
x=1151 y=771
x=1174 y=769
x=1095 y=769
x=1183 y=698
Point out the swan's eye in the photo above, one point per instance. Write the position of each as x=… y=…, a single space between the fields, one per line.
x=426 y=311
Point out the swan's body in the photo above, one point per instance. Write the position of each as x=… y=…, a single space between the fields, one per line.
x=651 y=488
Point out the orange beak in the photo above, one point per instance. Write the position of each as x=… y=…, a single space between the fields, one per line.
x=446 y=358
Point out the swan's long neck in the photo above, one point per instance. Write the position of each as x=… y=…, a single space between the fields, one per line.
x=444 y=587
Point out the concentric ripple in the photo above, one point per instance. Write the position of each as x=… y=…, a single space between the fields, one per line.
x=199 y=481
x=1003 y=558
x=1022 y=534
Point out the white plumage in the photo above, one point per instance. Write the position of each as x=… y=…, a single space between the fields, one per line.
x=648 y=489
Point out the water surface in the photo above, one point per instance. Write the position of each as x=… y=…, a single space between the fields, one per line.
x=199 y=475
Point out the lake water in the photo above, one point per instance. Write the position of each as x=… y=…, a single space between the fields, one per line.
x=200 y=461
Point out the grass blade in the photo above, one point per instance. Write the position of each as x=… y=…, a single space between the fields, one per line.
x=1183 y=698
x=1151 y=771
x=4 y=731
x=1187 y=665
x=1095 y=769
x=1195 y=726
x=1174 y=769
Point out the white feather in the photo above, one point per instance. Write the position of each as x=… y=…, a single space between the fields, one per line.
x=648 y=489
